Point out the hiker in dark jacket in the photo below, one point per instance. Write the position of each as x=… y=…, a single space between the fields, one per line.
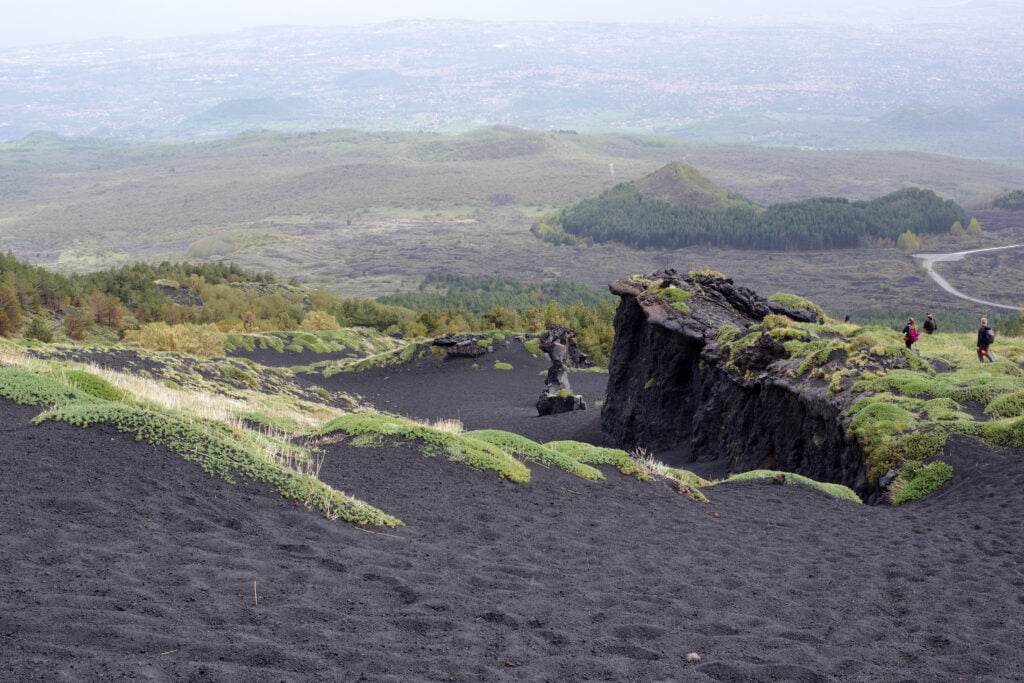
x=929 y=324
x=985 y=337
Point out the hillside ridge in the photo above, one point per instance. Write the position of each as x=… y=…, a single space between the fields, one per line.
x=680 y=184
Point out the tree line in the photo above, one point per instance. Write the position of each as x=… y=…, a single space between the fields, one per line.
x=1012 y=199
x=39 y=304
x=622 y=214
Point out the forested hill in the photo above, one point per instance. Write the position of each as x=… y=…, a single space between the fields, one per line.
x=683 y=185
x=650 y=213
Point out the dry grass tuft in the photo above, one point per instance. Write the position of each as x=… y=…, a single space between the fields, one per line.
x=448 y=425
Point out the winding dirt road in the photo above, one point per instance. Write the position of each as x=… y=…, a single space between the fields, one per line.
x=928 y=260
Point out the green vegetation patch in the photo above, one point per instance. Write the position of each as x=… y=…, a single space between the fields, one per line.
x=599 y=455
x=677 y=298
x=252 y=341
x=201 y=340
x=355 y=339
x=797 y=303
x=915 y=482
x=980 y=383
x=1006 y=405
x=910 y=383
x=1008 y=432
x=726 y=334
x=533 y=346
x=792 y=479
x=377 y=428
x=264 y=422
x=943 y=410
x=29 y=388
x=894 y=429
x=984 y=383
x=814 y=354
x=95 y=386
x=238 y=375
x=531 y=450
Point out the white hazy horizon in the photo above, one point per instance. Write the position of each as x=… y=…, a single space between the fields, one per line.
x=60 y=21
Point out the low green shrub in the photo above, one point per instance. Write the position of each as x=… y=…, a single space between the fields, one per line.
x=599 y=455
x=28 y=388
x=817 y=353
x=231 y=372
x=38 y=329
x=915 y=482
x=784 y=334
x=797 y=303
x=95 y=386
x=892 y=453
x=1006 y=432
x=677 y=298
x=517 y=445
x=1007 y=405
x=792 y=479
x=533 y=346
x=379 y=428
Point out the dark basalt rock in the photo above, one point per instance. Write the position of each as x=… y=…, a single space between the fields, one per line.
x=183 y=296
x=553 y=405
x=560 y=345
x=672 y=387
x=759 y=355
x=452 y=340
x=463 y=346
x=572 y=356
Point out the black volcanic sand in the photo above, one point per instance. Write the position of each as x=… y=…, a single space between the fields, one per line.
x=475 y=393
x=123 y=561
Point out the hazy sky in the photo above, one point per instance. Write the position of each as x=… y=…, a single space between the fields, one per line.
x=49 y=21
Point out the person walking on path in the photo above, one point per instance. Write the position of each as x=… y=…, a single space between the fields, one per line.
x=985 y=338
x=910 y=333
x=929 y=324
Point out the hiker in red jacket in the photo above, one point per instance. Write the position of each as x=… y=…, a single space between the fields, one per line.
x=910 y=333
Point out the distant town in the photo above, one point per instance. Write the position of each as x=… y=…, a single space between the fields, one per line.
x=949 y=83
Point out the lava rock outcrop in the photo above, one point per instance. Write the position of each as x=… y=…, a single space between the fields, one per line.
x=694 y=375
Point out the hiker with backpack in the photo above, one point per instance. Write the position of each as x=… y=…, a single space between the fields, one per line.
x=910 y=333
x=929 y=324
x=986 y=335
